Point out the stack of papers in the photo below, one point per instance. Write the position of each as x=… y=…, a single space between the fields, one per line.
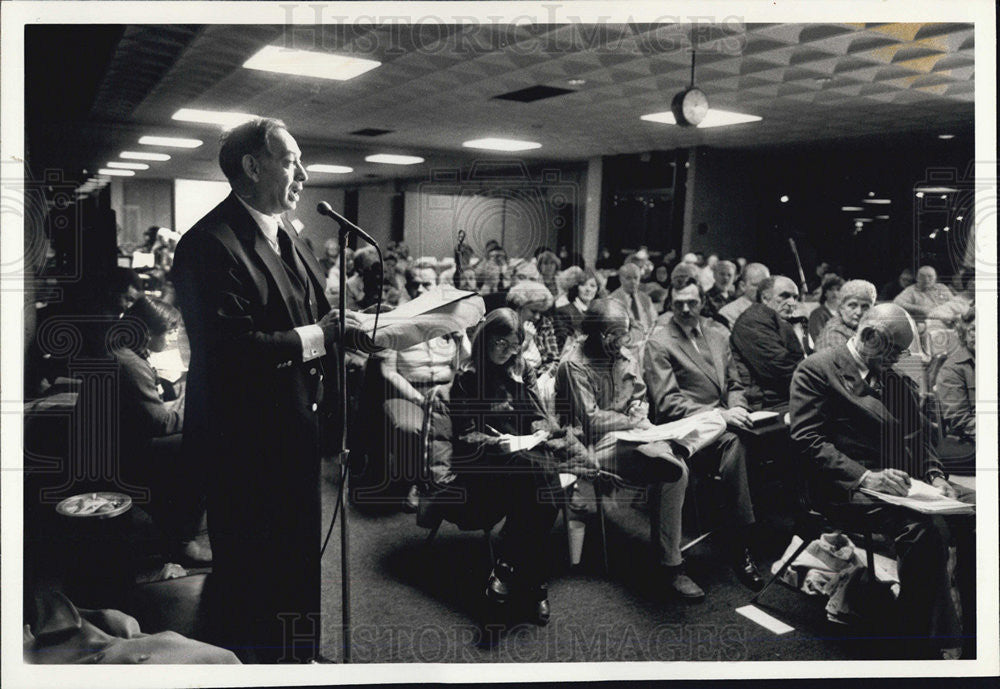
x=924 y=498
x=168 y=364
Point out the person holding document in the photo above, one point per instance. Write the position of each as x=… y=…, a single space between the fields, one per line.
x=600 y=381
x=263 y=342
x=859 y=425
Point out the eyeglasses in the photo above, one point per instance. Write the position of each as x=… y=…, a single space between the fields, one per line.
x=507 y=346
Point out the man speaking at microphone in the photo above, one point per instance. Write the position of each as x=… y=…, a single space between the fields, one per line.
x=263 y=348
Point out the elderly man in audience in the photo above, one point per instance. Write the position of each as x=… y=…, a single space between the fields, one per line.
x=924 y=296
x=752 y=275
x=891 y=290
x=859 y=425
x=532 y=302
x=723 y=290
x=410 y=374
x=829 y=297
x=854 y=300
x=766 y=346
x=689 y=368
x=642 y=313
x=956 y=383
x=601 y=382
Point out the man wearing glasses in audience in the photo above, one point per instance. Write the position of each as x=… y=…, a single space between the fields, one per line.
x=689 y=369
x=766 y=345
x=859 y=425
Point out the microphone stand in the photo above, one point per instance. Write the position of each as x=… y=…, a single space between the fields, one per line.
x=345 y=573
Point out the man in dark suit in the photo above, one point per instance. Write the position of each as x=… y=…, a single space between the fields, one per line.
x=688 y=369
x=766 y=346
x=262 y=336
x=859 y=425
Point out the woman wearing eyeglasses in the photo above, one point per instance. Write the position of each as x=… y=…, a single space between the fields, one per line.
x=494 y=405
x=150 y=429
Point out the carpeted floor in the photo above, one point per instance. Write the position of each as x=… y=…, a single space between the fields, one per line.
x=417 y=602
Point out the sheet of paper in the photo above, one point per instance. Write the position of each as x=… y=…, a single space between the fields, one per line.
x=923 y=497
x=428 y=302
x=758 y=417
x=757 y=615
x=168 y=364
x=521 y=443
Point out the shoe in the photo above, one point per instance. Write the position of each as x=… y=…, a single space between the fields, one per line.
x=498 y=586
x=683 y=586
x=540 y=612
x=412 y=501
x=746 y=571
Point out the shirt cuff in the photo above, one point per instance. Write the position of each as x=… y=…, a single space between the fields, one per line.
x=313 y=346
x=861 y=480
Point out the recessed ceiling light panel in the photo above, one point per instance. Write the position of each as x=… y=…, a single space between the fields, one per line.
x=115 y=173
x=309 y=63
x=127 y=166
x=222 y=118
x=170 y=142
x=331 y=169
x=392 y=159
x=141 y=155
x=496 y=144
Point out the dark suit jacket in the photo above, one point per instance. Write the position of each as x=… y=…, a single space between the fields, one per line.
x=844 y=428
x=766 y=351
x=680 y=381
x=252 y=413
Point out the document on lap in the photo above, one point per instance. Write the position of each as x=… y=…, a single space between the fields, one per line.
x=168 y=364
x=924 y=498
x=677 y=431
x=437 y=312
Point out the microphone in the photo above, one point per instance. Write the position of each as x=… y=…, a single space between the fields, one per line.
x=324 y=209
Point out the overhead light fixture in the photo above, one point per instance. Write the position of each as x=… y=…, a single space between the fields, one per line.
x=393 y=159
x=881 y=217
x=225 y=119
x=115 y=173
x=920 y=194
x=959 y=217
x=332 y=169
x=784 y=199
x=945 y=228
x=878 y=202
x=495 y=144
x=127 y=166
x=576 y=82
x=862 y=220
x=713 y=118
x=946 y=136
x=137 y=155
x=850 y=209
x=933 y=235
x=936 y=190
x=170 y=142
x=309 y=63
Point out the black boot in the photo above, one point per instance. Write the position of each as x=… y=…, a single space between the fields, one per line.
x=539 y=611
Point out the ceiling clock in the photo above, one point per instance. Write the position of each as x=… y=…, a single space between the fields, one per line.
x=690 y=107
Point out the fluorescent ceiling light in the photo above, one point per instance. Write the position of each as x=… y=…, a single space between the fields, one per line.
x=309 y=63
x=392 y=159
x=862 y=220
x=115 y=173
x=332 y=169
x=879 y=202
x=137 y=155
x=170 y=141
x=946 y=136
x=881 y=217
x=127 y=166
x=494 y=144
x=851 y=208
x=714 y=118
x=226 y=120
x=937 y=190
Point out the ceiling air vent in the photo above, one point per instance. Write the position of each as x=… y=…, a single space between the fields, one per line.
x=533 y=93
x=369 y=131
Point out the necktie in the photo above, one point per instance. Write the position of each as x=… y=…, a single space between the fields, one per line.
x=296 y=268
x=701 y=345
x=635 y=310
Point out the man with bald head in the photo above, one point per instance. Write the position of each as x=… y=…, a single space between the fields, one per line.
x=600 y=383
x=641 y=311
x=752 y=275
x=766 y=347
x=925 y=295
x=858 y=424
x=723 y=289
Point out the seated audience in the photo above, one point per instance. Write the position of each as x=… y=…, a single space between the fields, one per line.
x=956 y=383
x=494 y=397
x=660 y=277
x=829 y=296
x=150 y=427
x=706 y=275
x=601 y=382
x=642 y=313
x=722 y=291
x=568 y=319
x=658 y=296
x=331 y=255
x=532 y=302
x=891 y=290
x=564 y=280
x=923 y=297
x=747 y=288
x=333 y=275
x=523 y=271
x=689 y=368
x=364 y=287
x=859 y=425
x=854 y=300
x=766 y=346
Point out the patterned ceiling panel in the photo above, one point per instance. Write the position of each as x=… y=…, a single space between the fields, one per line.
x=436 y=86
